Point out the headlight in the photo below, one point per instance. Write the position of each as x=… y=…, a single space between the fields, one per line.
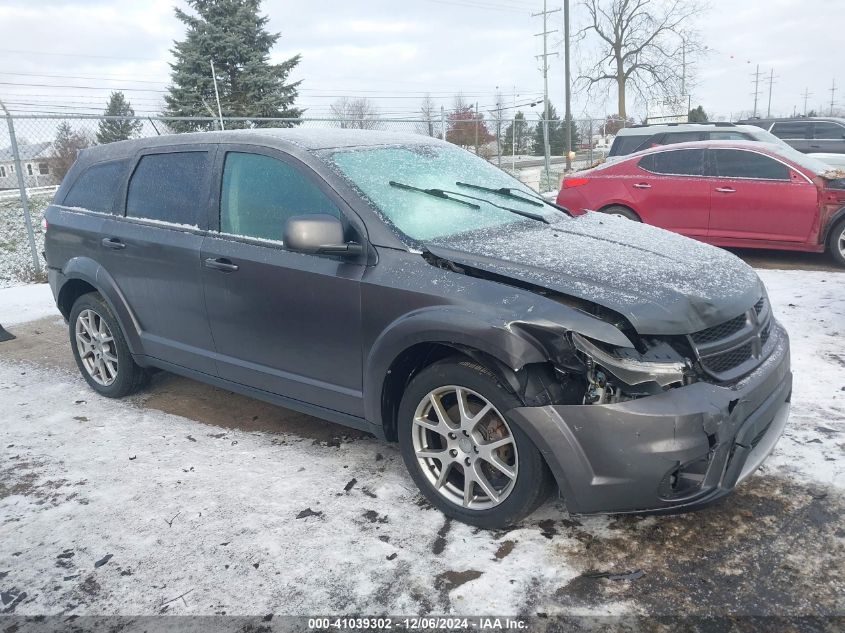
x=633 y=369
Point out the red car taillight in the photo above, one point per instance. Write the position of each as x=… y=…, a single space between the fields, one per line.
x=570 y=183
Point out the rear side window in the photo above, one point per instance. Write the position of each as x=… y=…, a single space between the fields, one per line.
x=681 y=162
x=729 y=136
x=261 y=193
x=791 y=129
x=829 y=130
x=624 y=145
x=96 y=188
x=169 y=187
x=681 y=137
x=732 y=163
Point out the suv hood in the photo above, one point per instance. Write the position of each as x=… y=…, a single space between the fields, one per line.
x=662 y=282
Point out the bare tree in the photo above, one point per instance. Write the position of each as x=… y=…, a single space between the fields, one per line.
x=359 y=113
x=644 y=45
x=66 y=146
x=427 y=111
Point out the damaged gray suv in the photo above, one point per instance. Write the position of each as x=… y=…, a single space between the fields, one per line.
x=400 y=285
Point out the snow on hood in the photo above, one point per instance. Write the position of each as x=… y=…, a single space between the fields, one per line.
x=662 y=282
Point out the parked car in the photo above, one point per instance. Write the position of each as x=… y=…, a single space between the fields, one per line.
x=639 y=137
x=398 y=284
x=738 y=194
x=810 y=135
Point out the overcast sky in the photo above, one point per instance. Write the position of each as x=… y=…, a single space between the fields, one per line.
x=394 y=52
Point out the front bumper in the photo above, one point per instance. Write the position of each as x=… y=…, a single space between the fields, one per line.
x=678 y=450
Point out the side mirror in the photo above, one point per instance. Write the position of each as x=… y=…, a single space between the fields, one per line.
x=318 y=233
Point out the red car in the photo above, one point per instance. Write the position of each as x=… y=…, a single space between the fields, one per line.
x=727 y=193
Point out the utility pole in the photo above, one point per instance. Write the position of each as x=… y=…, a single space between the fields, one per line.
x=832 y=96
x=568 y=115
x=771 y=83
x=545 y=35
x=756 y=89
x=807 y=95
x=217 y=95
x=513 y=133
x=498 y=128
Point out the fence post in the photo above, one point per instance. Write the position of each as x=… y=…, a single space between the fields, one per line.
x=22 y=186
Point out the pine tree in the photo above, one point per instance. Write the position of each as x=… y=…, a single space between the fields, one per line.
x=698 y=115
x=557 y=135
x=232 y=34
x=518 y=127
x=111 y=130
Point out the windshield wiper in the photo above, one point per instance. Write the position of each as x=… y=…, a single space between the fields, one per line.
x=503 y=191
x=437 y=193
x=538 y=200
x=526 y=214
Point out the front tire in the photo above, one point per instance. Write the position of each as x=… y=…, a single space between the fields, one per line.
x=466 y=457
x=622 y=212
x=836 y=242
x=100 y=349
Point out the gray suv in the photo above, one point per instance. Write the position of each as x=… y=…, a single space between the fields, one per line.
x=401 y=285
x=811 y=135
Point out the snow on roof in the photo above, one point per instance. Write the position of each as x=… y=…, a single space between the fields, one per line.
x=27 y=151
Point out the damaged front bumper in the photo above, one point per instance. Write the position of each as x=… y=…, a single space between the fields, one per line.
x=678 y=450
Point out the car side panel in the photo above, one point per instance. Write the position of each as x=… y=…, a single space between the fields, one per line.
x=676 y=203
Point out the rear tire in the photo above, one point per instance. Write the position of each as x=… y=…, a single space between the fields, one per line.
x=100 y=349
x=621 y=211
x=836 y=242
x=494 y=475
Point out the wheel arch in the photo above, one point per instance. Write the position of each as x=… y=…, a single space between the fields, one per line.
x=82 y=275
x=416 y=341
x=624 y=205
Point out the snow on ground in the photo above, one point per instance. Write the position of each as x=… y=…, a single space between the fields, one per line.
x=19 y=304
x=110 y=507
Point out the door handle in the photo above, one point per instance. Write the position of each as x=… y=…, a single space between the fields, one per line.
x=113 y=243
x=642 y=185
x=815 y=146
x=725 y=190
x=222 y=264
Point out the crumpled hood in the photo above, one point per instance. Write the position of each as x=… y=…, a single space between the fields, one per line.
x=663 y=283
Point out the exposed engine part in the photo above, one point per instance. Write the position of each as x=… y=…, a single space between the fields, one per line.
x=599 y=389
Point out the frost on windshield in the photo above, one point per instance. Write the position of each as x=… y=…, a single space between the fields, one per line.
x=428 y=166
x=596 y=256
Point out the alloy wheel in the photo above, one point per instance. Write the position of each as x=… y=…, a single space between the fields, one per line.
x=841 y=242
x=96 y=347
x=465 y=447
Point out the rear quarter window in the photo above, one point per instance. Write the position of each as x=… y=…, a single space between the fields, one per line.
x=624 y=145
x=169 y=187
x=97 y=187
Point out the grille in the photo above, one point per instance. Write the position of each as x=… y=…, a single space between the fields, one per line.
x=720 y=363
x=764 y=335
x=723 y=330
x=758 y=307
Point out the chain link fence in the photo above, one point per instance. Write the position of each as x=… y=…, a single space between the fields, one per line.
x=36 y=151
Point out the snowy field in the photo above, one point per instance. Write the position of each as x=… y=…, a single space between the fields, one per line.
x=119 y=507
x=15 y=253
